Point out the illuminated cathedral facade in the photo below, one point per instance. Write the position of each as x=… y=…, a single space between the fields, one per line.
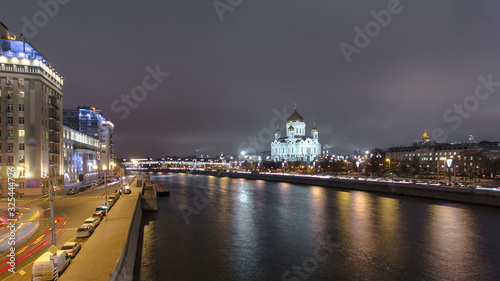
x=296 y=145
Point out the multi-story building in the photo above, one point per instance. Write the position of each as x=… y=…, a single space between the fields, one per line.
x=81 y=154
x=90 y=121
x=465 y=159
x=107 y=145
x=296 y=145
x=31 y=118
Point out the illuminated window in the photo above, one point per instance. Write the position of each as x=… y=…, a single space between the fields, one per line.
x=21 y=94
x=21 y=133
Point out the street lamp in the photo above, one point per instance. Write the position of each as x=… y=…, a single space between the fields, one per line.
x=449 y=162
x=389 y=160
x=105 y=190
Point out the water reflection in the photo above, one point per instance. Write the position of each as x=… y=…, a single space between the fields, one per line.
x=318 y=214
x=452 y=238
x=256 y=230
x=246 y=244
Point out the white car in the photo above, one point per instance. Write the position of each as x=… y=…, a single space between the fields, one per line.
x=85 y=230
x=95 y=221
x=72 y=248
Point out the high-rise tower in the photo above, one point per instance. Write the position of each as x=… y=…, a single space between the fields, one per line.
x=31 y=118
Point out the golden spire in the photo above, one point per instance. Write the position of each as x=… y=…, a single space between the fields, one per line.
x=425 y=137
x=314 y=129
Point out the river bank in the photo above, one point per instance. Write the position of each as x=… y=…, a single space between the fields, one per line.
x=462 y=195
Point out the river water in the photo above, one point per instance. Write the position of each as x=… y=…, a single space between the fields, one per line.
x=212 y=228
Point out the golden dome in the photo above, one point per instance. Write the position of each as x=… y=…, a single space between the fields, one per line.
x=314 y=129
x=295 y=117
x=291 y=128
x=425 y=137
x=277 y=131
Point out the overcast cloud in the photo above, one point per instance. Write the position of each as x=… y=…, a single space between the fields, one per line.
x=226 y=77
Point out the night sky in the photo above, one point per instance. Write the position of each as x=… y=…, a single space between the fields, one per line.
x=226 y=70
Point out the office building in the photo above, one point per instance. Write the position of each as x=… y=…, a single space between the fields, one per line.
x=31 y=99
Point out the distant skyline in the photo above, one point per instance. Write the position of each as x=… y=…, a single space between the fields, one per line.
x=180 y=76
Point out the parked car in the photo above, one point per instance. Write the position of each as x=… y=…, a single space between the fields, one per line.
x=72 y=191
x=99 y=214
x=102 y=208
x=110 y=202
x=85 y=230
x=113 y=197
x=93 y=220
x=72 y=248
x=127 y=191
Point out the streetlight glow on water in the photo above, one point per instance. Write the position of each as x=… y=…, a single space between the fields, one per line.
x=260 y=230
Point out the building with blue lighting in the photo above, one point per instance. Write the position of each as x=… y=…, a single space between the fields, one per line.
x=31 y=100
x=81 y=156
x=91 y=122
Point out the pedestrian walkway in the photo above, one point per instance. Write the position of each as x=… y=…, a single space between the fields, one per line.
x=109 y=254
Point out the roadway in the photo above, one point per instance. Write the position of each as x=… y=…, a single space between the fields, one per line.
x=72 y=209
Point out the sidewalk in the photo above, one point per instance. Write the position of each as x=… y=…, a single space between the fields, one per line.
x=109 y=253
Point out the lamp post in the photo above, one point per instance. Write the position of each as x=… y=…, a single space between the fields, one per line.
x=449 y=162
x=53 y=229
x=105 y=191
x=390 y=172
x=21 y=173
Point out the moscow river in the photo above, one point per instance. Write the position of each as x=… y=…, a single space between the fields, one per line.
x=212 y=228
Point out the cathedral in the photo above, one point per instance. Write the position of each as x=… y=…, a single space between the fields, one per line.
x=296 y=145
